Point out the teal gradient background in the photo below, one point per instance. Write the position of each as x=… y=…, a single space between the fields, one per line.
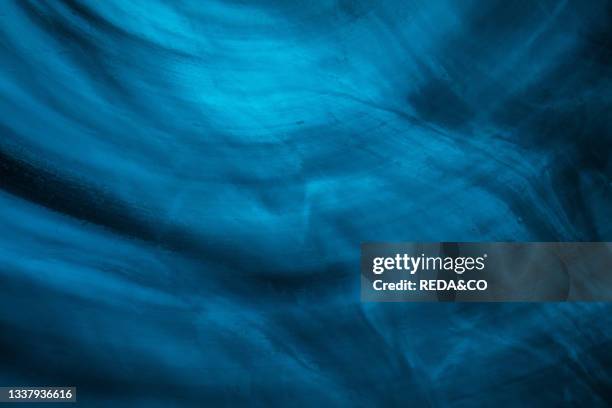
x=184 y=187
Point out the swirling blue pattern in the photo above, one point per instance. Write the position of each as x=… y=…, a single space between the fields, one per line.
x=184 y=187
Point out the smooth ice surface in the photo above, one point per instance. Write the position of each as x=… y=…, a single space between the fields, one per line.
x=185 y=185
